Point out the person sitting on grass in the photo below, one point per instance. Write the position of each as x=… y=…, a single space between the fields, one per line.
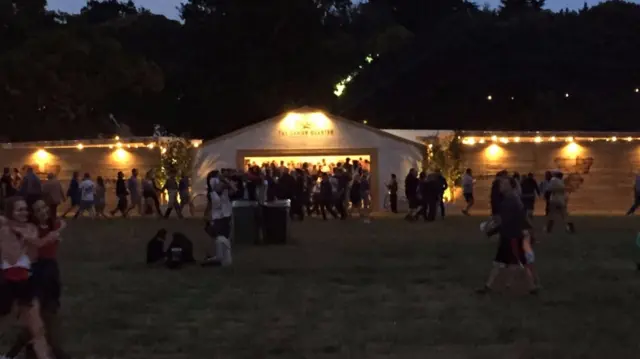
x=180 y=251
x=514 y=249
x=155 y=247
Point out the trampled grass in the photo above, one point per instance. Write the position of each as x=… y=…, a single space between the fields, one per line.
x=389 y=289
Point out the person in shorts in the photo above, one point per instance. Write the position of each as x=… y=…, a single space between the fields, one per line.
x=87 y=196
x=514 y=237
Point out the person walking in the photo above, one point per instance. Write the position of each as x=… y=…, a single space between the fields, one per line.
x=150 y=193
x=100 y=202
x=636 y=196
x=171 y=186
x=467 y=190
x=134 y=190
x=87 y=197
x=184 y=188
x=53 y=194
x=121 y=193
x=442 y=188
x=73 y=194
x=529 y=191
x=31 y=188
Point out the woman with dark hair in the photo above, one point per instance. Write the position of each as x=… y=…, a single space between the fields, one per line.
x=19 y=239
x=46 y=282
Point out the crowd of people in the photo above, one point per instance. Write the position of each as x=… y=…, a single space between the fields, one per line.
x=341 y=190
x=88 y=196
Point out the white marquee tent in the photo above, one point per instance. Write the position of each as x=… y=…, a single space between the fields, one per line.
x=309 y=132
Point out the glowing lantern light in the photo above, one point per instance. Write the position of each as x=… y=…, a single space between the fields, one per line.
x=493 y=152
x=570 y=139
x=614 y=139
x=517 y=139
x=120 y=155
x=150 y=146
x=629 y=139
x=42 y=155
x=494 y=138
x=119 y=145
x=504 y=140
x=117 y=138
x=481 y=140
x=80 y=146
x=489 y=98
x=538 y=139
x=572 y=149
x=553 y=138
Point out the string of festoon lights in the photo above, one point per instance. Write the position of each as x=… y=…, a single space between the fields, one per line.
x=472 y=140
x=116 y=143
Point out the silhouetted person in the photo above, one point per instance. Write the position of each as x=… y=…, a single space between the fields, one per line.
x=411 y=183
x=442 y=186
x=155 y=247
x=326 y=197
x=393 y=193
x=530 y=190
x=121 y=193
x=180 y=251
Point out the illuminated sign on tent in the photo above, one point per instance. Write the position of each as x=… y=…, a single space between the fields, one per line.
x=314 y=124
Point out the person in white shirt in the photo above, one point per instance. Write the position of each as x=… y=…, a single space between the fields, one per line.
x=87 y=196
x=220 y=226
x=558 y=203
x=467 y=190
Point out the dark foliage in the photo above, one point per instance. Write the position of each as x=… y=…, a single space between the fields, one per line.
x=230 y=63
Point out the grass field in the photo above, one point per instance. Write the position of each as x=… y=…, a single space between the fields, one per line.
x=390 y=289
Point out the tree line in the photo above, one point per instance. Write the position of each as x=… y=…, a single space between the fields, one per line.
x=117 y=68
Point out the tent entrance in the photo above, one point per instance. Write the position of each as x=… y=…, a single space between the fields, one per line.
x=323 y=159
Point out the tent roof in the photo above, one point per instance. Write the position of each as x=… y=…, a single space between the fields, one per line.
x=306 y=109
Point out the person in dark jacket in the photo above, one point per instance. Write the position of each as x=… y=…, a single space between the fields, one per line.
x=514 y=234
x=411 y=183
x=326 y=197
x=155 y=247
x=121 y=193
x=530 y=191
x=343 y=186
x=73 y=193
x=393 y=193
x=442 y=186
x=298 y=200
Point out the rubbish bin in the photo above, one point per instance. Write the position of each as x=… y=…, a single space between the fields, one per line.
x=246 y=228
x=275 y=222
